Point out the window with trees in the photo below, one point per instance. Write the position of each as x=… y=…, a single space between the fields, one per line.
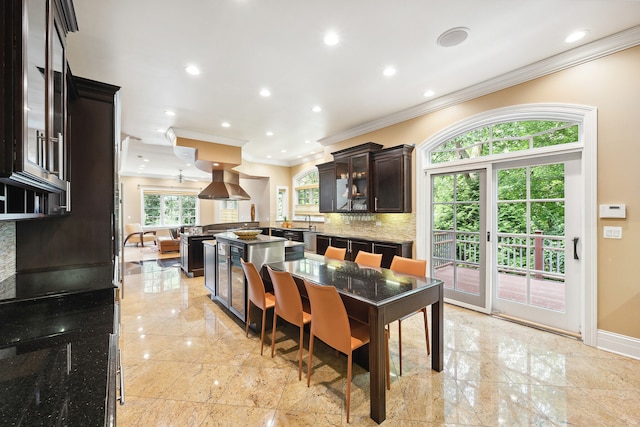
x=307 y=195
x=162 y=208
x=503 y=138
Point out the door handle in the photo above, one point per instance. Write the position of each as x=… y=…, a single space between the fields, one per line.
x=575 y=248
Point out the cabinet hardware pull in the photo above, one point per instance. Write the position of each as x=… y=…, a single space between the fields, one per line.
x=575 y=248
x=121 y=372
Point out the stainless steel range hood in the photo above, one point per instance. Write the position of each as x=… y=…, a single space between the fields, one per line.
x=225 y=185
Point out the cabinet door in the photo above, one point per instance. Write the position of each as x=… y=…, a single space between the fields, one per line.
x=359 y=183
x=388 y=251
x=391 y=170
x=210 y=268
x=322 y=243
x=326 y=184
x=222 y=274
x=342 y=184
x=237 y=295
x=356 y=246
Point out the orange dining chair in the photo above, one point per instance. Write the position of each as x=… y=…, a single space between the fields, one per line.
x=368 y=259
x=288 y=307
x=335 y=253
x=258 y=297
x=412 y=267
x=331 y=324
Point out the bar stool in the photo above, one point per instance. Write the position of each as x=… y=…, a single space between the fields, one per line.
x=258 y=297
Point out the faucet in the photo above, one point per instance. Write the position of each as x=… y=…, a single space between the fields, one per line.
x=309 y=221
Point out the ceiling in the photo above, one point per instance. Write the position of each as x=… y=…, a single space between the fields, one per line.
x=243 y=46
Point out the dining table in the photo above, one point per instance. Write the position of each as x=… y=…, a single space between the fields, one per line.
x=376 y=296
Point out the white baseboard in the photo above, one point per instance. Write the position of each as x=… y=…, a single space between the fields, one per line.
x=619 y=344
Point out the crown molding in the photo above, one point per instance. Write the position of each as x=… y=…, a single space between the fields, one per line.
x=284 y=163
x=571 y=58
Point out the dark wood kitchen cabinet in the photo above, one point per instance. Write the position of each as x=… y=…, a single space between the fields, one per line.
x=88 y=235
x=367 y=178
x=326 y=184
x=391 y=169
x=34 y=145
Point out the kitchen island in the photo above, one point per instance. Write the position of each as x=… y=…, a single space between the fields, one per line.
x=229 y=286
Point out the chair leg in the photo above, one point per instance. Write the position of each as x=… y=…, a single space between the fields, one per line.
x=426 y=329
x=246 y=329
x=300 y=353
x=349 y=362
x=310 y=360
x=264 y=320
x=273 y=333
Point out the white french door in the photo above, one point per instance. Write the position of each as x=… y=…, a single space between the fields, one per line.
x=536 y=275
x=512 y=244
x=458 y=236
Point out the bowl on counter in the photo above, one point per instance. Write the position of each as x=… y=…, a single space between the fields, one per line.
x=246 y=234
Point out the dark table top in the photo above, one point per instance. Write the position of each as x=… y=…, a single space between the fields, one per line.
x=375 y=286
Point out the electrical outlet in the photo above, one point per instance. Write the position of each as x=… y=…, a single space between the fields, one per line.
x=613 y=232
x=379 y=223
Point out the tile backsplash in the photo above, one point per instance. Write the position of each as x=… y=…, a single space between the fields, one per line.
x=8 y=253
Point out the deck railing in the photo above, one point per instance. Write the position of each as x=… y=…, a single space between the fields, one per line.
x=516 y=253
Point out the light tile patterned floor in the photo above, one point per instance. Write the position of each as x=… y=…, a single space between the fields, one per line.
x=188 y=363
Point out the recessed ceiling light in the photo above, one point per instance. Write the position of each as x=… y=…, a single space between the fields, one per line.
x=316 y=109
x=429 y=93
x=299 y=157
x=216 y=164
x=145 y=160
x=161 y=130
x=575 y=36
x=312 y=152
x=306 y=141
x=169 y=113
x=453 y=37
x=269 y=133
x=331 y=38
x=265 y=92
x=389 y=71
x=283 y=151
x=192 y=69
x=225 y=124
x=269 y=156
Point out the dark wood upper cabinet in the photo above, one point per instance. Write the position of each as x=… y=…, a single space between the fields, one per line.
x=392 y=179
x=33 y=119
x=367 y=178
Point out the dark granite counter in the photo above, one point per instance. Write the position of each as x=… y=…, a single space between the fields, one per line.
x=54 y=345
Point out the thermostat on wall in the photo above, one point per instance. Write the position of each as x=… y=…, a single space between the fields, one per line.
x=613 y=211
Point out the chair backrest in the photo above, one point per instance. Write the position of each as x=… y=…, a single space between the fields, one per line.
x=368 y=259
x=329 y=320
x=255 y=284
x=335 y=253
x=134 y=227
x=413 y=267
x=288 y=300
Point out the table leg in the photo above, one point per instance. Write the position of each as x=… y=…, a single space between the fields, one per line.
x=437 y=333
x=377 y=360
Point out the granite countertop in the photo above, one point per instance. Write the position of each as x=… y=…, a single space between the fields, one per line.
x=54 y=345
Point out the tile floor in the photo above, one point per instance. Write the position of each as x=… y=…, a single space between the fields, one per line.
x=188 y=363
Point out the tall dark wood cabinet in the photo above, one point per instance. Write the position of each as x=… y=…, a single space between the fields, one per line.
x=326 y=181
x=87 y=235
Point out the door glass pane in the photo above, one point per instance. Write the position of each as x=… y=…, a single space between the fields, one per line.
x=57 y=138
x=443 y=190
x=530 y=241
x=35 y=97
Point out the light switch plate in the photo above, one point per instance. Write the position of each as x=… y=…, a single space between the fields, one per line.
x=612 y=232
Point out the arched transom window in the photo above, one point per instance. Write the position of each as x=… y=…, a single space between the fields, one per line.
x=502 y=138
